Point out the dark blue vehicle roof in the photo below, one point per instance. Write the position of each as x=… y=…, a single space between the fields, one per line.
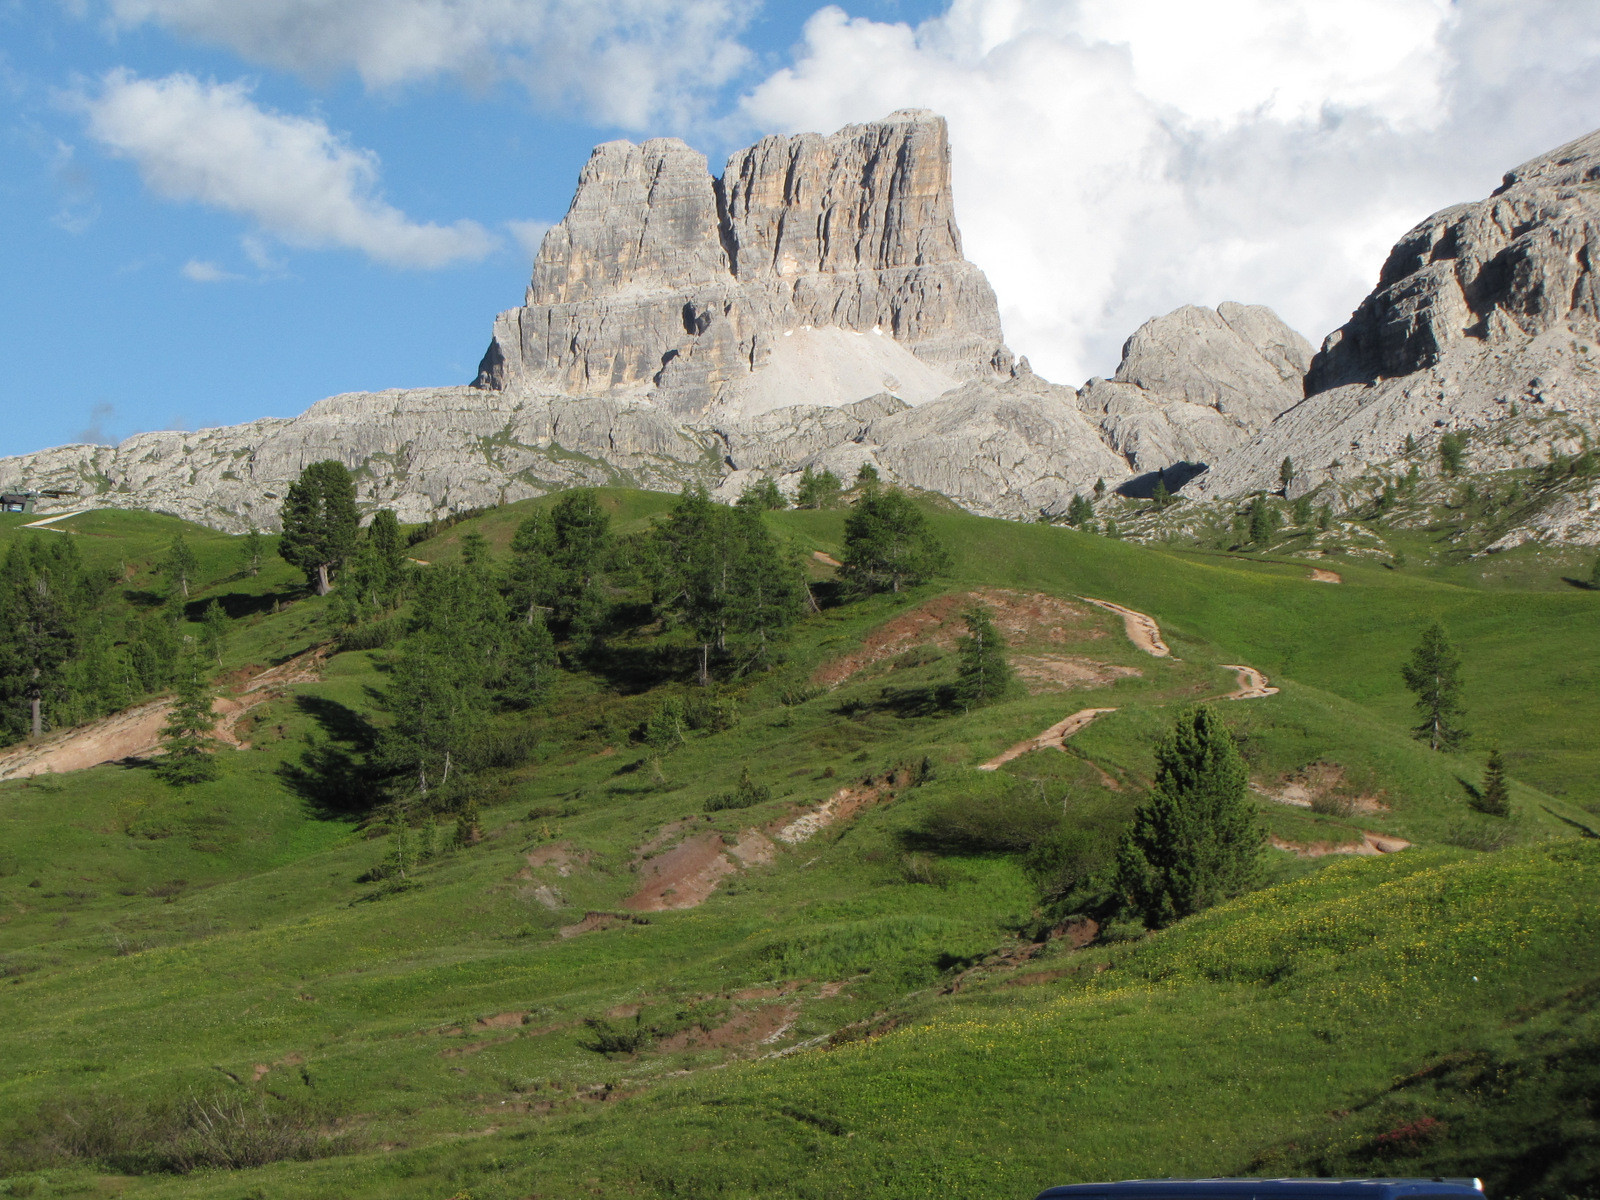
x=1265 y=1189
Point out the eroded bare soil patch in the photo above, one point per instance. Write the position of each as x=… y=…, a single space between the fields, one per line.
x=1025 y=618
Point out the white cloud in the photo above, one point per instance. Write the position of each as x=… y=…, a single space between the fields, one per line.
x=624 y=62
x=1117 y=158
x=293 y=176
x=201 y=271
x=529 y=235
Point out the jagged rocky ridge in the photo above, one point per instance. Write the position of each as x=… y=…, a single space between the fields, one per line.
x=1485 y=320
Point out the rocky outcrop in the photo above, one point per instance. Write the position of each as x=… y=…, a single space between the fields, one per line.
x=666 y=282
x=1485 y=317
x=1197 y=383
x=421 y=452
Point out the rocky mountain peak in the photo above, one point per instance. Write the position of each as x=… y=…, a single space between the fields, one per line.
x=675 y=287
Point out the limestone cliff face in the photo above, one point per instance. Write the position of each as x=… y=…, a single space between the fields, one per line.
x=667 y=282
x=1485 y=318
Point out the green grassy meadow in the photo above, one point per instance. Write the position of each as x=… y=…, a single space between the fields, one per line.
x=855 y=1016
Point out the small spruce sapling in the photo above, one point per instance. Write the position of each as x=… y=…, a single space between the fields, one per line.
x=983 y=674
x=1196 y=840
x=1494 y=797
x=1285 y=473
x=186 y=737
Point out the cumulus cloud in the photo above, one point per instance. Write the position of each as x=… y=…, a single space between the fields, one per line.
x=1117 y=158
x=293 y=176
x=623 y=62
x=202 y=271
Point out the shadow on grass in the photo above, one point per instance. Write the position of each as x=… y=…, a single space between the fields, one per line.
x=1583 y=585
x=335 y=776
x=930 y=700
x=235 y=604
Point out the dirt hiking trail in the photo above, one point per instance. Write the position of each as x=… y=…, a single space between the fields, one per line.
x=136 y=732
x=1370 y=844
x=1142 y=630
x=1252 y=684
x=1056 y=736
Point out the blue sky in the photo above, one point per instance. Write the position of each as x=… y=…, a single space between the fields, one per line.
x=213 y=211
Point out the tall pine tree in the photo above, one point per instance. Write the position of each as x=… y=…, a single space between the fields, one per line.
x=888 y=544
x=320 y=522
x=180 y=566
x=1196 y=840
x=45 y=596
x=1434 y=674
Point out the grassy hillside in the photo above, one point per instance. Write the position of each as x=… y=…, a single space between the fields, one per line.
x=871 y=1011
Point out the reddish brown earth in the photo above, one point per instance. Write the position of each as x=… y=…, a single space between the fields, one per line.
x=755 y=1026
x=1025 y=618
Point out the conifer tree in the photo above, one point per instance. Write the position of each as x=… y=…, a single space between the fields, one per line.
x=581 y=537
x=179 y=566
x=1079 y=510
x=252 y=549
x=44 y=597
x=437 y=700
x=1494 y=797
x=530 y=576
x=867 y=477
x=474 y=549
x=1099 y=489
x=984 y=674
x=1196 y=840
x=1264 y=520
x=1302 y=511
x=186 y=737
x=1434 y=674
x=763 y=496
x=817 y=489
x=888 y=544
x=1161 y=496
x=1452 y=452
x=389 y=550
x=663 y=732
x=320 y=522
x=1286 y=473
x=531 y=662
x=214 y=631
